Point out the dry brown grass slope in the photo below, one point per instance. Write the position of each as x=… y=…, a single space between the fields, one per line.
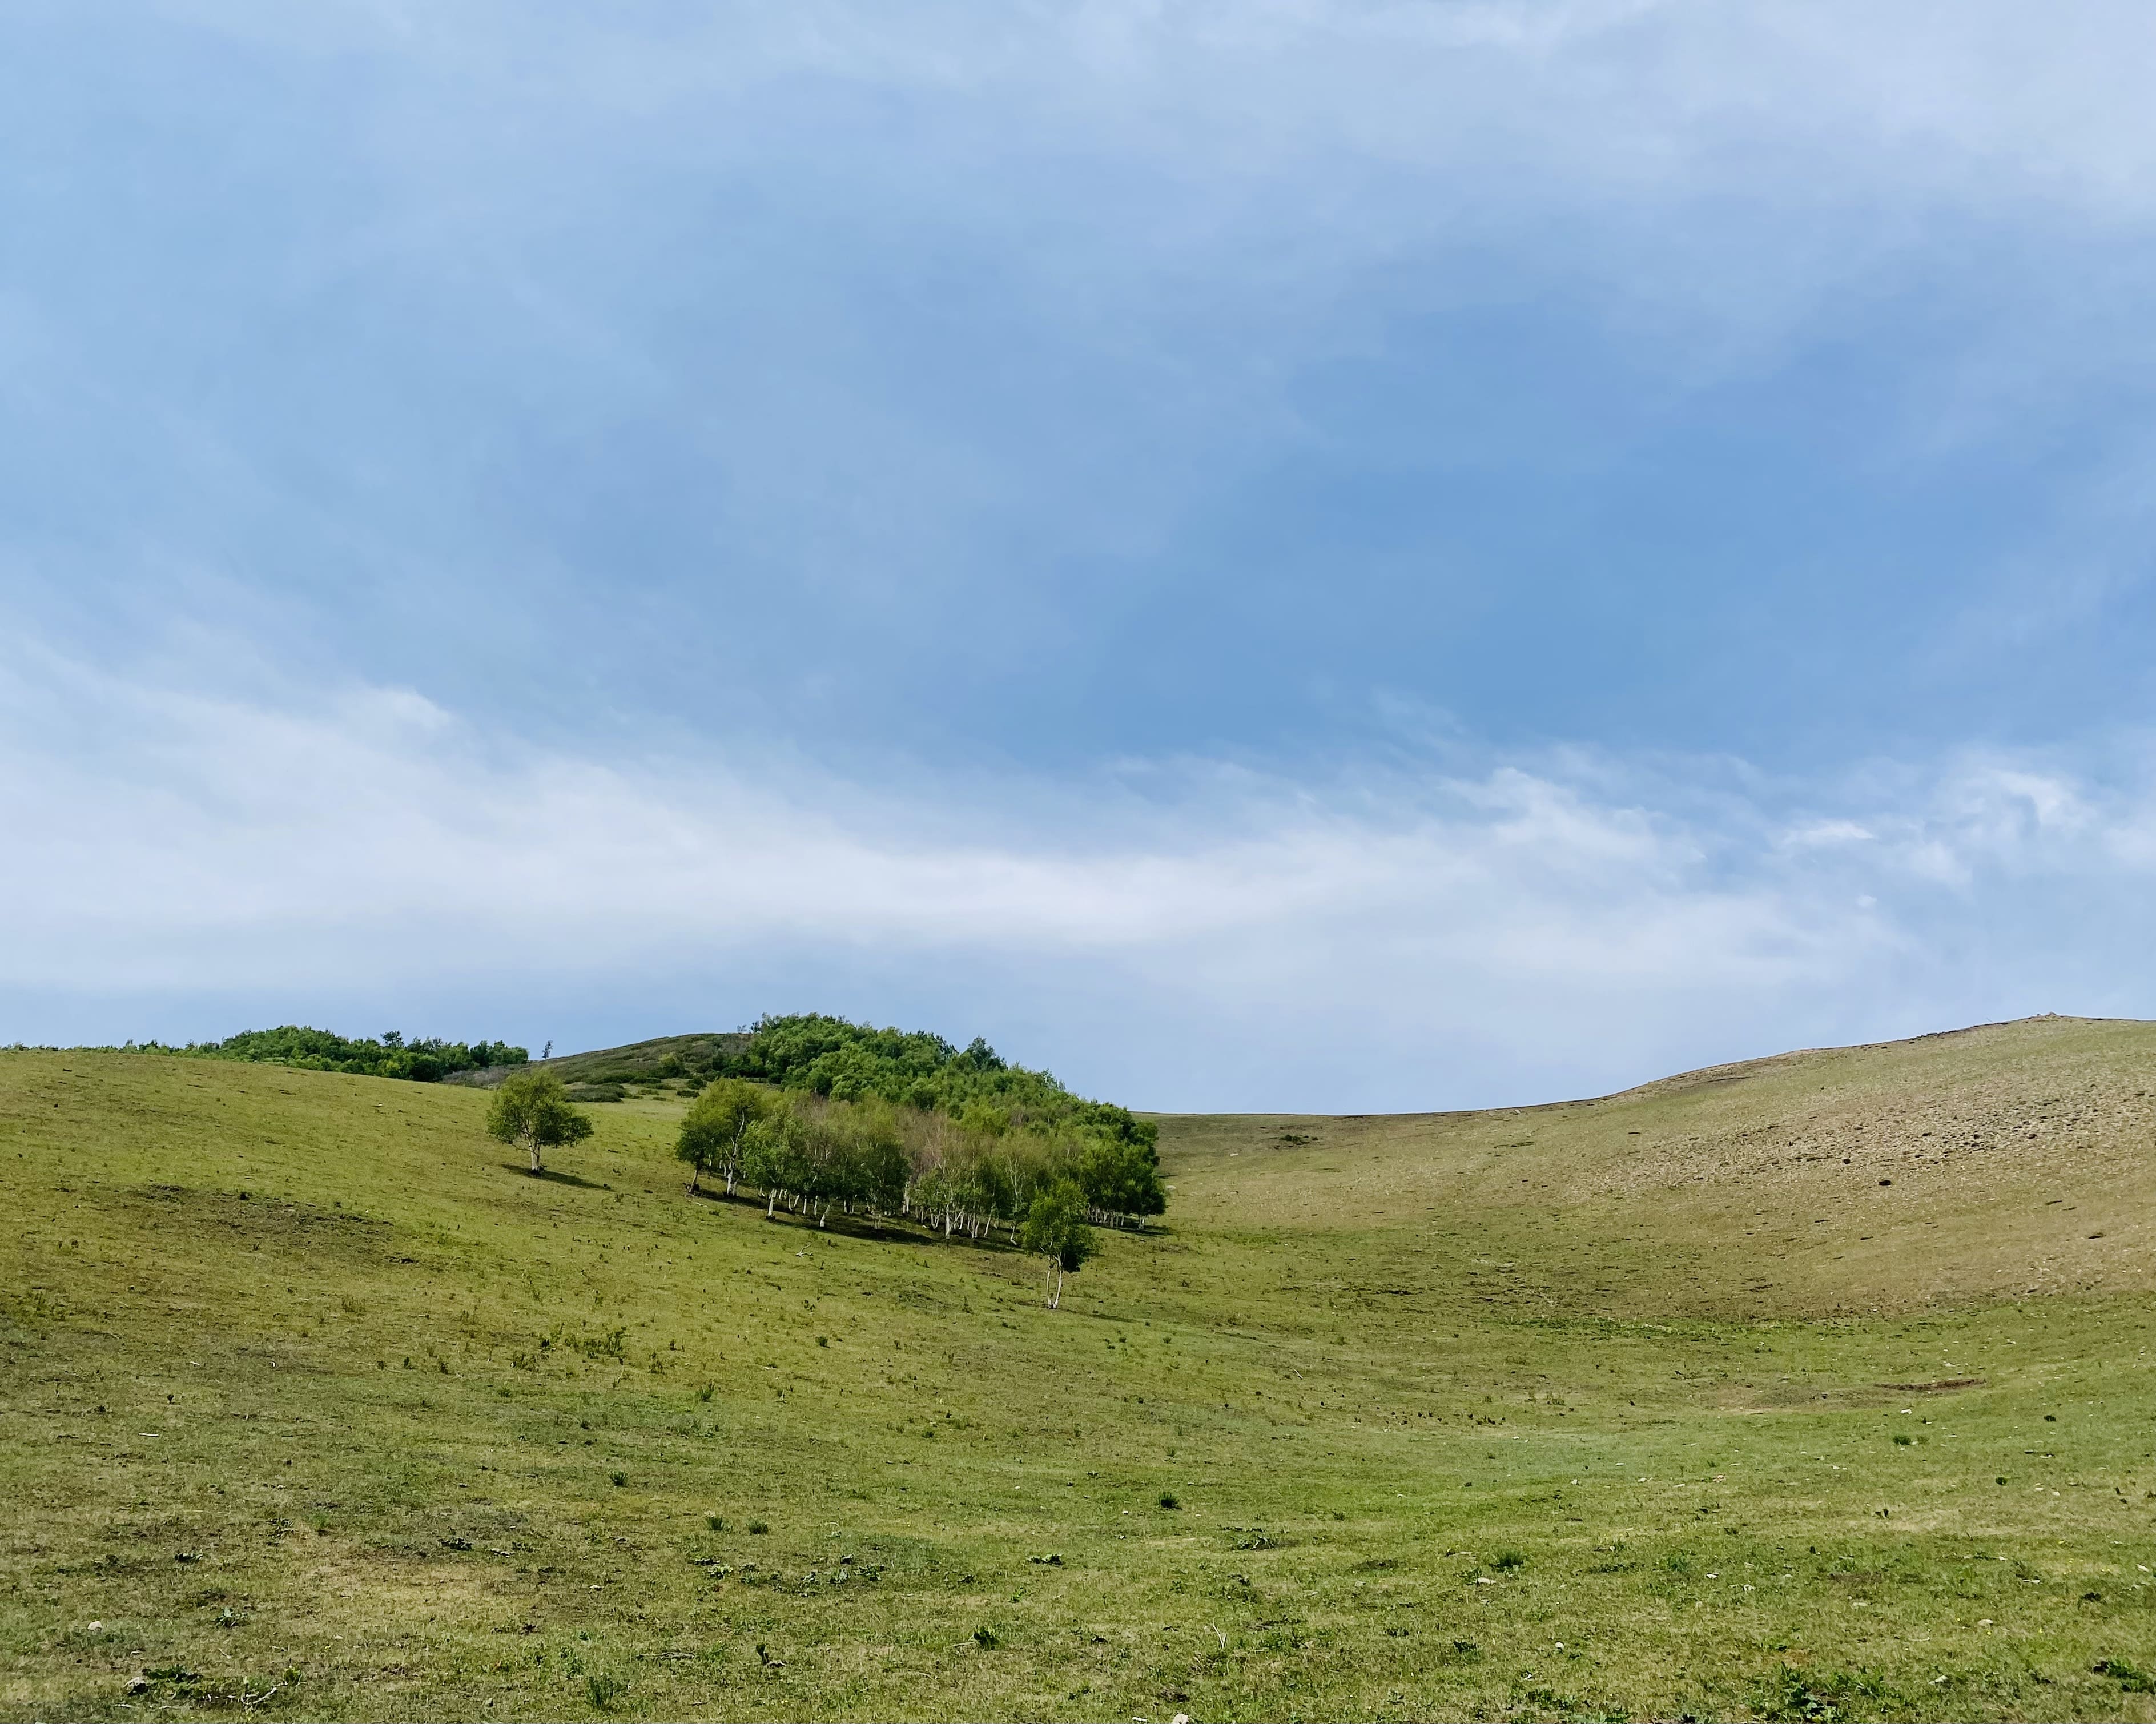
x=1981 y=1164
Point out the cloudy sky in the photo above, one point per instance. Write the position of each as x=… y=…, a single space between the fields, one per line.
x=1282 y=554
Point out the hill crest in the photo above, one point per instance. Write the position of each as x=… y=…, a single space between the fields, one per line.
x=1994 y=1162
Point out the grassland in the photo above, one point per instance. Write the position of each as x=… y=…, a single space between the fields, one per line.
x=1663 y=1405
x=639 y=1064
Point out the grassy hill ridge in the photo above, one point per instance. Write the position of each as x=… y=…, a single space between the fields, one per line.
x=313 y=1407
x=1991 y=1162
x=658 y=1061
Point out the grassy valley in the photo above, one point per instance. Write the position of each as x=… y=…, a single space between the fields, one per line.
x=1819 y=1386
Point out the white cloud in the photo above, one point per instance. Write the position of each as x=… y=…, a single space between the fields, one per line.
x=1819 y=834
x=1382 y=938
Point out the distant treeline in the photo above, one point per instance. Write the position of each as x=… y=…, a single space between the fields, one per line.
x=426 y=1060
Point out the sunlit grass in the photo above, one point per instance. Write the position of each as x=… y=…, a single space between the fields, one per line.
x=314 y=1407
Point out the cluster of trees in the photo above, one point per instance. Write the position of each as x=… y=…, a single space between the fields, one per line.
x=918 y=1074
x=842 y=1061
x=427 y=1060
x=815 y=1154
x=1042 y=1190
x=967 y=1174
x=820 y=1114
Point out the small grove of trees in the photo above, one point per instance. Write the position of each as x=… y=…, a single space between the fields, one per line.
x=427 y=1060
x=971 y=1175
x=532 y=1111
x=812 y=1055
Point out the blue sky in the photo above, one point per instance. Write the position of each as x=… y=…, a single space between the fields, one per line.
x=1282 y=555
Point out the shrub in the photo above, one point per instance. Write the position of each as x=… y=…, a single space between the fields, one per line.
x=1793 y=1694
x=2131 y=1677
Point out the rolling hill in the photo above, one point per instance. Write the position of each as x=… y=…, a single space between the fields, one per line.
x=2005 y=1160
x=1815 y=1386
x=656 y=1062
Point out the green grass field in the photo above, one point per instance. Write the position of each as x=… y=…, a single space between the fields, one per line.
x=1663 y=1405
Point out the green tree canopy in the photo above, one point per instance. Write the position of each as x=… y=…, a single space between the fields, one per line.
x=775 y=1155
x=715 y=1131
x=1111 y=1153
x=1055 y=1228
x=531 y=1109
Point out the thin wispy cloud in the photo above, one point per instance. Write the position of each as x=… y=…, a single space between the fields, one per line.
x=1401 y=918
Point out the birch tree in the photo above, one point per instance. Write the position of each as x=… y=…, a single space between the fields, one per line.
x=1055 y=1228
x=715 y=1131
x=532 y=1111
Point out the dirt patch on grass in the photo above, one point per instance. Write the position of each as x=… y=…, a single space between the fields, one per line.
x=260 y=1220
x=1812 y=1395
x=367 y=1584
x=1945 y=1385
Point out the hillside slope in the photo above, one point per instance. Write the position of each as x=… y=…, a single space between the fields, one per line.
x=313 y=1405
x=1996 y=1162
x=656 y=1061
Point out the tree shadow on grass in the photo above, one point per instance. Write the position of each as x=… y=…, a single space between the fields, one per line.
x=553 y=1176
x=892 y=1228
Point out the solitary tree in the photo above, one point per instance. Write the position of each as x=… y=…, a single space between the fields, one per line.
x=716 y=1128
x=532 y=1109
x=1055 y=1228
